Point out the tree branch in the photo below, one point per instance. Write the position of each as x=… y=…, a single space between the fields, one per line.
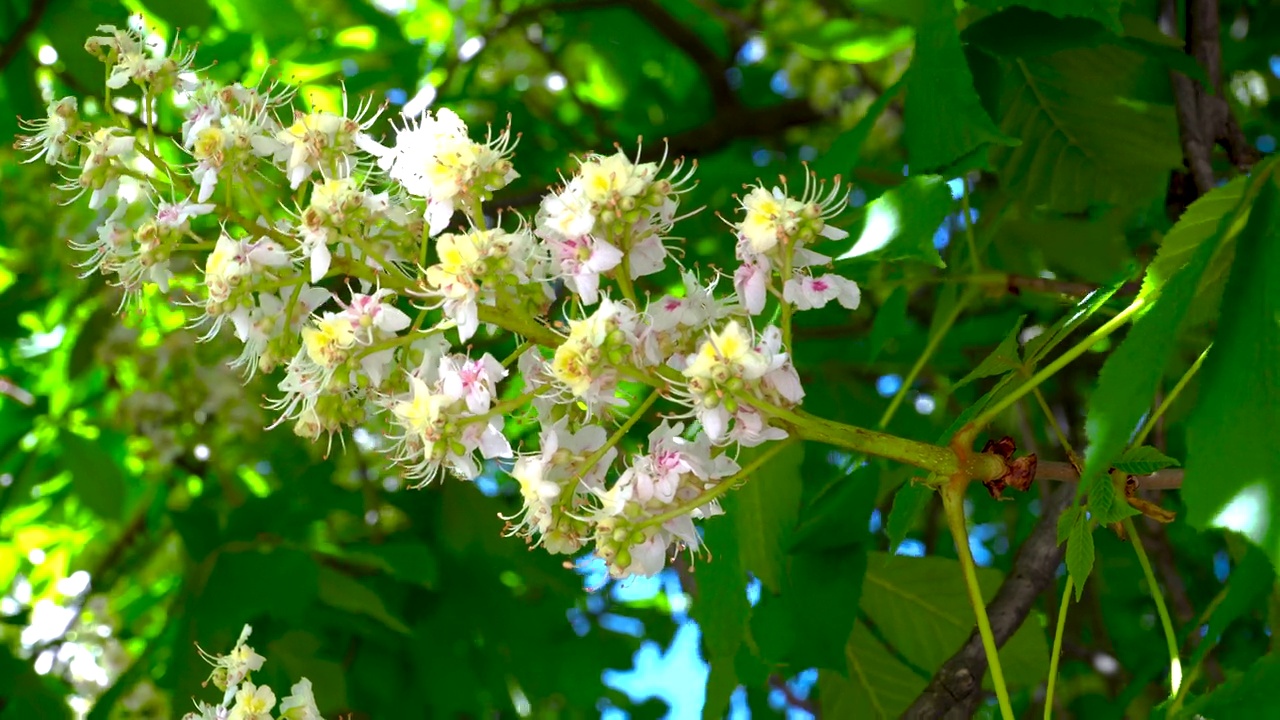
x=10 y=48
x=955 y=689
x=1169 y=479
x=1204 y=117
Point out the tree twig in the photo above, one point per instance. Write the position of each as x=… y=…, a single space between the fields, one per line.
x=1168 y=479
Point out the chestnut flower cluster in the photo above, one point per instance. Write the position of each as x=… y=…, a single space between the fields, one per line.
x=336 y=260
x=242 y=699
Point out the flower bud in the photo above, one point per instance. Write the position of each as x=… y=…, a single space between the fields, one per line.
x=623 y=559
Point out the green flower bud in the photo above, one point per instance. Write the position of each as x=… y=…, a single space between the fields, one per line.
x=623 y=559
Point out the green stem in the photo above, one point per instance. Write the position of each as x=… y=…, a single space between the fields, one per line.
x=426 y=236
x=935 y=458
x=1198 y=656
x=1175 y=663
x=503 y=408
x=475 y=210
x=1057 y=649
x=723 y=487
x=515 y=354
x=625 y=286
x=1060 y=362
x=935 y=339
x=1168 y=400
x=968 y=227
x=1057 y=429
x=953 y=505
x=618 y=434
x=148 y=109
x=520 y=325
x=784 y=307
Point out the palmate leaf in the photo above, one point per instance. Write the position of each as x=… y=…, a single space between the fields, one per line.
x=1106 y=12
x=1233 y=468
x=879 y=685
x=1079 y=549
x=944 y=117
x=1003 y=359
x=1143 y=461
x=1198 y=224
x=919 y=607
x=1089 y=136
x=1131 y=374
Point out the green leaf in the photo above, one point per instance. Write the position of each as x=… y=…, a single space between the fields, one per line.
x=182 y=15
x=944 y=117
x=1089 y=136
x=284 y=585
x=920 y=606
x=909 y=504
x=852 y=41
x=899 y=225
x=1022 y=32
x=1106 y=506
x=95 y=475
x=809 y=623
x=764 y=512
x=1079 y=552
x=299 y=653
x=721 y=682
x=1198 y=224
x=1249 y=582
x=24 y=695
x=346 y=593
x=878 y=685
x=1132 y=372
x=1143 y=461
x=843 y=155
x=1001 y=360
x=1039 y=346
x=1248 y=695
x=1067 y=521
x=890 y=322
x=721 y=610
x=1106 y=12
x=1233 y=468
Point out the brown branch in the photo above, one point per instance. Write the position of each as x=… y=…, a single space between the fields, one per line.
x=956 y=688
x=779 y=683
x=10 y=47
x=1168 y=479
x=1204 y=117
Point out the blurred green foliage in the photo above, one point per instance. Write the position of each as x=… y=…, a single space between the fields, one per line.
x=144 y=507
